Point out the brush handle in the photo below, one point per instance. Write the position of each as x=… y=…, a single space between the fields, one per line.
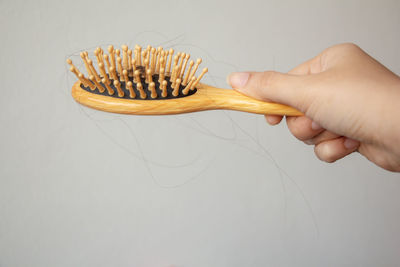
x=233 y=100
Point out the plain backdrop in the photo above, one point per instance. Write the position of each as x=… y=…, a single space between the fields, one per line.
x=79 y=187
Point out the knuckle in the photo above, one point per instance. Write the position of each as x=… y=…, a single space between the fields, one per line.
x=348 y=47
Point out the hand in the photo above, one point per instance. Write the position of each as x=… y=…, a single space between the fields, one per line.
x=351 y=103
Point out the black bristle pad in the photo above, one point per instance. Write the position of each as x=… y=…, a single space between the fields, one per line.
x=145 y=88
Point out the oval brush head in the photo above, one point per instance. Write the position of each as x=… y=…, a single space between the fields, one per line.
x=150 y=74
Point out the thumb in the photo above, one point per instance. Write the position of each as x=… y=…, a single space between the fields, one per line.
x=272 y=86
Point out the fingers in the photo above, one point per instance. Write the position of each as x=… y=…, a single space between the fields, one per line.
x=323 y=136
x=278 y=87
x=329 y=146
x=303 y=128
x=273 y=119
x=332 y=150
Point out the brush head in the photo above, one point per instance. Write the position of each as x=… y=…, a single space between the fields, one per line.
x=141 y=74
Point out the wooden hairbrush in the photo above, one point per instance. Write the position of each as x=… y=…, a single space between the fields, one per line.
x=153 y=81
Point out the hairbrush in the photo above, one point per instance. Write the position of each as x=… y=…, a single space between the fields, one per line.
x=154 y=81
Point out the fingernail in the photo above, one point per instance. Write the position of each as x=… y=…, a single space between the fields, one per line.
x=315 y=126
x=238 y=79
x=350 y=143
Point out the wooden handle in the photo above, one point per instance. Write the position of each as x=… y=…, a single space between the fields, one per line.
x=233 y=100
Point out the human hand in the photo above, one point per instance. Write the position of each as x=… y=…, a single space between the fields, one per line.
x=350 y=102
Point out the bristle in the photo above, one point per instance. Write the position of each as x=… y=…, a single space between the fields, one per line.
x=119 y=68
x=162 y=75
x=148 y=52
x=86 y=82
x=138 y=48
x=83 y=56
x=143 y=58
x=153 y=60
x=91 y=77
x=132 y=93
x=178 y=73
x=164 y=88
x=107 y=61
x=152 y=89
x=161 y=65
x=187 y=88
x=173 y=76
x=136 y=76
x=146 y=65
x=109 y=89
x=130 y=60
x=99 y=57
x=205 y=70
x=113 y=73
x=96 y=53
x=170 y=53
x=93 y=70
x=176 y=87
x=149 y=77
x=125 y=56
x=133 y=64
x=125 y=75
x=98 y=85
x=176 y=59
x=198 y=62
x=86 y=53
x=101 y=54
x=74 y=71
x=103 y=72
x=73 y=68
x=186 y=79
x=158 y=57
x=165 y=58
x=117 y=85
x=141 y=91
x=184 y=66
x=112 y=56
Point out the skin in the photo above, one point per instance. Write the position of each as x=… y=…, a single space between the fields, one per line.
x=351 y=104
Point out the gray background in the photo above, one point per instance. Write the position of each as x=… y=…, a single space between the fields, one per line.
x=80 y=187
